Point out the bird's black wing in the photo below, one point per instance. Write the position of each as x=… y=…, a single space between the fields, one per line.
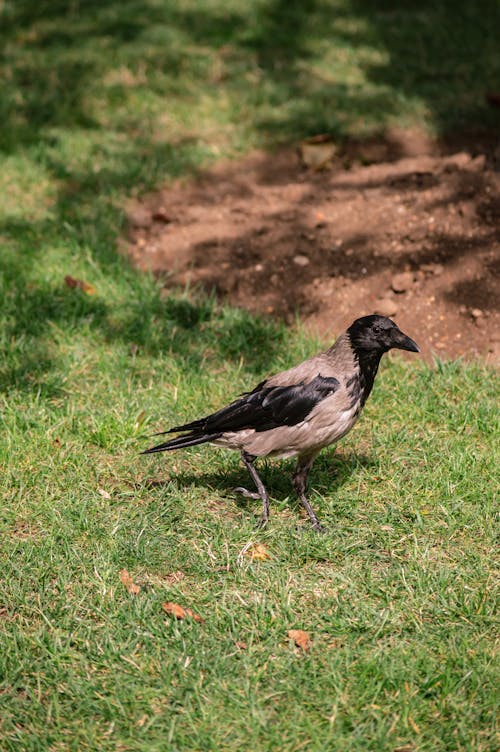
x=266 y=407
x=263 y=409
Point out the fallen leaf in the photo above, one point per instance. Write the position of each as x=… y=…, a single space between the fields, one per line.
x=103 y=493
x=70 y=281
x=57 y=443
x=127 y=580
x=85 y=286
x=142 y=720
x=173 y=609
x=300 y=638
x=257 y=552
x=240 y=645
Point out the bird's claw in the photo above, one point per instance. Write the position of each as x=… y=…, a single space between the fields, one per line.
x=316 y=526
x=319 y=528
x=262 y=522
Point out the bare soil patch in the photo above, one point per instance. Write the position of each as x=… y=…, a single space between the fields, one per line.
x=400 y=226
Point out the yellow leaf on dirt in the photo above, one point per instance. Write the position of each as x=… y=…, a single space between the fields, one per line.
x=300 y=638
x=127 y=580
x=257 y=552
x=173 y=609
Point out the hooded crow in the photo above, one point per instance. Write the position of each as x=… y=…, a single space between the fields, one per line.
x=298 y=412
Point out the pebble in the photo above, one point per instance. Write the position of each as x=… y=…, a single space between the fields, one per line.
x=301 y=260
x=476 y=313
x=140 y=217
x=402 y=282
x=435 y=269
x=386 y=307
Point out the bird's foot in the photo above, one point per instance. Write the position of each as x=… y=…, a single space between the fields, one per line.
x=246 y=493
x=319 y=528
x=262 y=521
x=316 y=526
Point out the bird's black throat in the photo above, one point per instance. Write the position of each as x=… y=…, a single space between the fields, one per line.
x=361 y=385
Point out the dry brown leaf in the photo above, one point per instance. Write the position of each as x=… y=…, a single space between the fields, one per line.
x=85 y=286
x=57 y=443
x=240 y=644
x=173 y=609
x=258 y=552
x=300 y=638
x=127 y=580
x=103 y=493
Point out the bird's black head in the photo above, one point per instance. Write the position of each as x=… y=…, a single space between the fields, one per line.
x=378 y=334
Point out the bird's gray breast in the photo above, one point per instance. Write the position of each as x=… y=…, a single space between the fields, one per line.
x=335 y=415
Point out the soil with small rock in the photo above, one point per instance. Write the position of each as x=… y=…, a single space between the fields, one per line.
x=400 y=226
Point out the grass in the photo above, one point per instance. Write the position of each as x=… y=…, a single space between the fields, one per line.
x=102 y=100
x=399 y=597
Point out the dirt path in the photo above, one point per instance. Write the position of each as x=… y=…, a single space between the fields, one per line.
x=414 y=235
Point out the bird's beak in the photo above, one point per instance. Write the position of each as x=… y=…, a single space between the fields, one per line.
x=403 y=342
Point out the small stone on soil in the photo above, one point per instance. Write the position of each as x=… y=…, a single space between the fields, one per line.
x=402 y=282
x=386 y=307
x=301 y=260
x=161 y=215
x=140 y=217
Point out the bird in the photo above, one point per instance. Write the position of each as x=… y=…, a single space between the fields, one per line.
x=300 y=411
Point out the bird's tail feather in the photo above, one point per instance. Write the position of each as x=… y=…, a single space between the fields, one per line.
x=190 y=439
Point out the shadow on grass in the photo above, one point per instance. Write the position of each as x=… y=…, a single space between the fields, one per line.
x=437 y=54
x=329 y=474
x=57 y=56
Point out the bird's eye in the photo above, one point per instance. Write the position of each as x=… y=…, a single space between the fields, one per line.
x=376 y=329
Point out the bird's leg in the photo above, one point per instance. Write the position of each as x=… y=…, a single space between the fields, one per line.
x=304 y=464
x=248 y=460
